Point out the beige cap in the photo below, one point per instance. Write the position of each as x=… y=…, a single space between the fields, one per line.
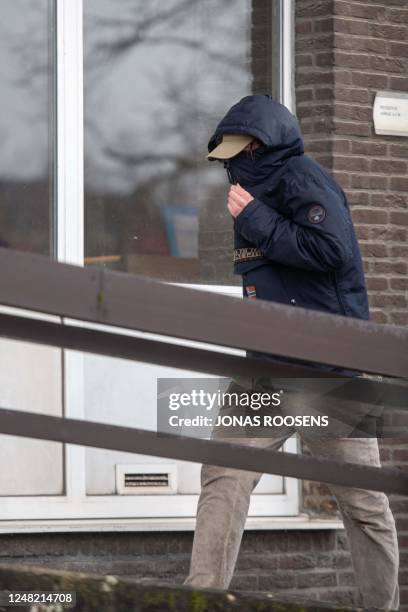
x=231 y=145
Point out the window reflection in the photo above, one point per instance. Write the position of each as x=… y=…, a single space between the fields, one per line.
x=158 y=77
x=27 y=104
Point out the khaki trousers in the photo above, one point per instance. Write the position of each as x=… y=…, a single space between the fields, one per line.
x=369 y=523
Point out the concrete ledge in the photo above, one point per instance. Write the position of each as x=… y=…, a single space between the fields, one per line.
x=267 y=523
x=109 y=594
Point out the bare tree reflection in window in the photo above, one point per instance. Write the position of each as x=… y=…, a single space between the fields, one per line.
x=27 y=103
x=158 y=77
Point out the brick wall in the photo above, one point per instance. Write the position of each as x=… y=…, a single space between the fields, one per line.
x=313 y=565
x=346 y=51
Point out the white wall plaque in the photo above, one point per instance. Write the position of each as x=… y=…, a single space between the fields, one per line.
x=390 y=113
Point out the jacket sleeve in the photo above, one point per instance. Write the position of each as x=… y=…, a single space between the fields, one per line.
x=314 y=235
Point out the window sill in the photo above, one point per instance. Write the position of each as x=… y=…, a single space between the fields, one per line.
x=301 y=522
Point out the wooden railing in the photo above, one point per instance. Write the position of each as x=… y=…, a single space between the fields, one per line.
x=124 y=301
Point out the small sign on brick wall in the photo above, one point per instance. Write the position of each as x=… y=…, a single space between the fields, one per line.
x=390 y=113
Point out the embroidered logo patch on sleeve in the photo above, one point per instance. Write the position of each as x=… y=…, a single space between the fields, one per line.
x=316 y=214
x=251 y=291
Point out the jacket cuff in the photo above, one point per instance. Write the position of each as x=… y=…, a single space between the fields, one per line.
x=246 y=213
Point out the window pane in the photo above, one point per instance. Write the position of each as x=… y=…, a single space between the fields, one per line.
x=31 y=380
x=27 y=105
x=30 y=374
x=158 y=78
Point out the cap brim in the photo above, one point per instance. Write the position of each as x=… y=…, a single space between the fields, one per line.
x=228 y=149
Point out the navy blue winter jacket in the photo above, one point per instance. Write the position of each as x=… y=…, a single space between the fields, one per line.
x=295 y=241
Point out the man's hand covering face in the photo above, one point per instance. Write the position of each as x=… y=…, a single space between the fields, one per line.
x=238 y=199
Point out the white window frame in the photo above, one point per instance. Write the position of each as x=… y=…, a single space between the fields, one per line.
x=75 y=511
